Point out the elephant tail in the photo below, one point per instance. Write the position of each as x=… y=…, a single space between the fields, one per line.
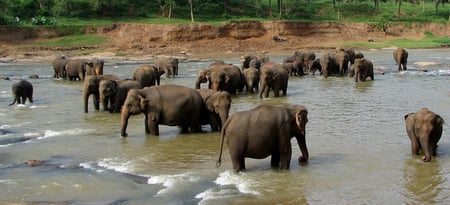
x=222 y=137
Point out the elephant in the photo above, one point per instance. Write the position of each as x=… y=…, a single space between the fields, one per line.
x=96 y=68
x=172 y=105
x=224 y=77
x=218 y=105
x=168 y=65
x=401 y=58
x=252 y=61
x=424 y=129
x=294 y=68
x=21 y=91
x=329 y=65
x=92 y=86
x=316 y=66
x=306 y=57
x=263 y=131
x=114 y=92
x=147 y=75
x=363 y=68
x=251 y=76
x=342 y=60
x=274 y=77
x=75 y=69
x=59 y=64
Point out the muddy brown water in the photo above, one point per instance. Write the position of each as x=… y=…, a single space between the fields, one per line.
x=359 y=150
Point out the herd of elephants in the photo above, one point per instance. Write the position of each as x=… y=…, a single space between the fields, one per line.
x=263 y=131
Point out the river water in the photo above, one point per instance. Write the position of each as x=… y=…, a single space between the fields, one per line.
x=359 y=150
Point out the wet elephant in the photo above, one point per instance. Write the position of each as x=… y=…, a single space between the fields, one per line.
x=171 y=105
x=22 y=91
x=167 y=64
x=342 y=60
x=329 y=65
x=252 y=61
x=363 y=68
x=424 y=129
x=59 y=64
x=401 y=58
x=251 y=76
x=306 y=57
x=91 y=86
x=222 y=77
x=123 y=86
x=274 y=77
x=75 y=69
x=218 y=105
x=96 y=68
x=147 y=75
x=265 y=131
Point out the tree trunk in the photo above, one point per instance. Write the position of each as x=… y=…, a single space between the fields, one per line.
x=192 y=13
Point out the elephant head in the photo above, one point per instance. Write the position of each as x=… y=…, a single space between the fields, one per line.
x=202 y=77
x=363 y=68
x=98 y=66
x=108 y=91
x=219 y=80
x=298 y=129
x=328 y=64
x=342 y=60
x=134 y=104
x=219 y=103
x=267 y=77
x=91 y=86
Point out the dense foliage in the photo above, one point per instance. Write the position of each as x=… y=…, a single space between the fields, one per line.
x=49 y=12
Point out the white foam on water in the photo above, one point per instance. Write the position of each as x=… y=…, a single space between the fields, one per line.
x=171 y=182
x=7 y=181
x=32 y=134
x=231 y=184
x=71 y=132
x=116 y=164
x=91 y=166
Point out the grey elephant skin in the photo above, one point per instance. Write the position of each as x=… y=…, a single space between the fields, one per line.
x=59 y=64
x=329 y=65
x=218 y=105
x=169 y=65
x=22 y=91
x=96 y=67
x=75 y=69
x=91 y=86
x=252 y=78
x=171 y=105
x=342 y=60
x=265 y=131
x=274 y=77
x=363 y=69
x=147 y=75
x=221 y=77
x=401 y=58
x=424 y=129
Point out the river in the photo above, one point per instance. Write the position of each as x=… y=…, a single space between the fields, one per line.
x=359 y=150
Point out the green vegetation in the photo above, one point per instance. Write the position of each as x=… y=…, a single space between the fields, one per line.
x=78 y=40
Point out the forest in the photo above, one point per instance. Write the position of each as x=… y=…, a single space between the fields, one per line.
x=54 y=12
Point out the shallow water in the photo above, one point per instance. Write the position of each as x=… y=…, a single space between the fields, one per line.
x=359 y=150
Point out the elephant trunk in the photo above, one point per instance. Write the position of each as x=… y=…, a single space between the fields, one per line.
x=85 y=100
x=15 y=99
x=124 y=122
x=301 y=140
x=197 y=83
x=222 y=137
x=223 y=117
x=263 y=88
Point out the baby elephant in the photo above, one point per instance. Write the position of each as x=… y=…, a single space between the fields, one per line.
x=21 y=91
x=424 y=128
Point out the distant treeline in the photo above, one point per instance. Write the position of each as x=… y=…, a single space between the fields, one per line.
x=13 y=11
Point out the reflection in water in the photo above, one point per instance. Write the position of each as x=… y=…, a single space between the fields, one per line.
x=423 y=182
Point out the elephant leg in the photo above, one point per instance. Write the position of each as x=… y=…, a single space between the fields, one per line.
x=285 y=156
x=184 y=129
x=153 y=127
x=96 y=102
x=238 y=162
x=146 y=124
x=275 y=159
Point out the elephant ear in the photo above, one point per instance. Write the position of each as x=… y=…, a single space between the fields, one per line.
x=407 y=115
x=144 y=102
x=301 y=118
x=439 y=121
x=274 y=75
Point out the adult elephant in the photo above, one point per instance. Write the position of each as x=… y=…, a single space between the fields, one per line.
x=252 y=78
x=363 y=69
x=342 y=60
x=222 y=77
x=263 y=131
x=329 y=65
x=424 y=129
x=218 y=105
x=96 y=68
x=22 y=91
x=294 y=68
x=307 y=58
x=316 y=67
x=168 y=64
x=274 y=77
x=75 y=69
x=114 y=92
x=401 y=58
x=171 y=105
x=59 y=64
x=91 y=86
x=147 y=75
